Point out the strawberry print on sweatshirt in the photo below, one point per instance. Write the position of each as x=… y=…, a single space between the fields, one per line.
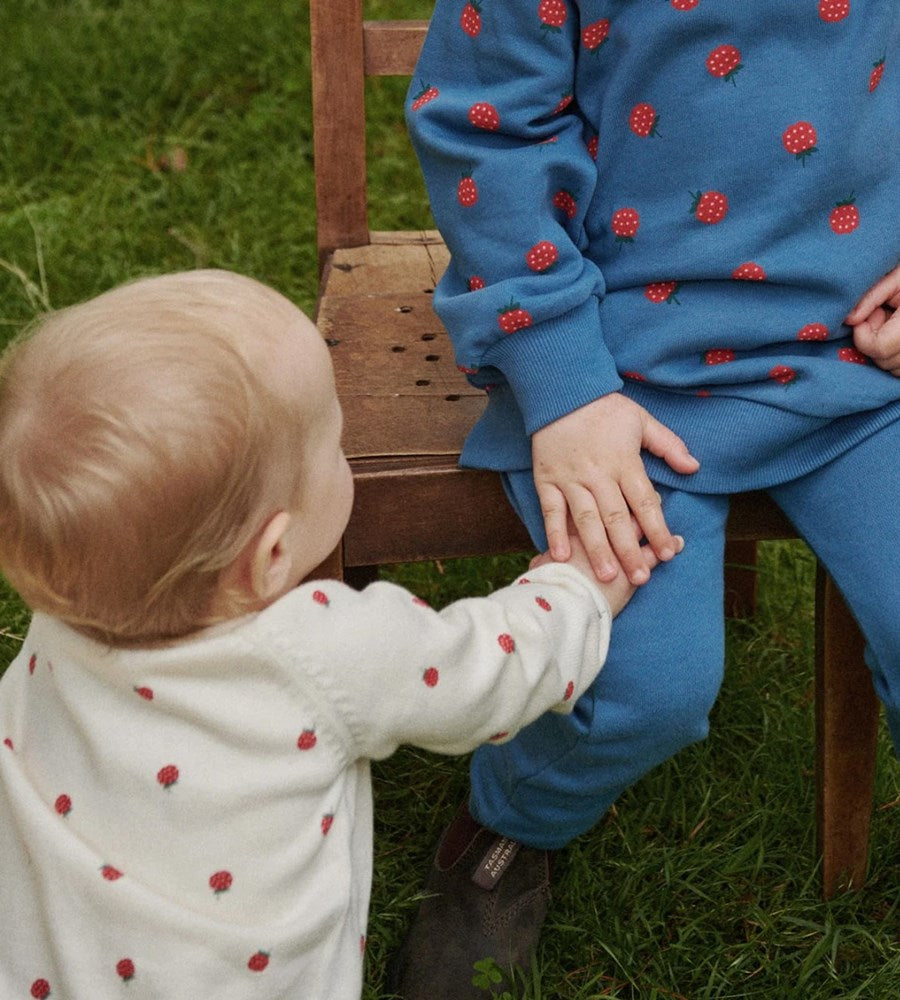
x=125 y=969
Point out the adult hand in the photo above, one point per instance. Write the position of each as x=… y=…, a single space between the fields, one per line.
x=876 y=325
x=588 y=467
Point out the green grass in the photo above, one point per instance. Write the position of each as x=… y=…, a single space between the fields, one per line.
x=702 y=883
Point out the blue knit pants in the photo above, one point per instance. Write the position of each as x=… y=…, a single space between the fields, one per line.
x=665 y=664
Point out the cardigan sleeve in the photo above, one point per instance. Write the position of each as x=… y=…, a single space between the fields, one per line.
x=509 y=165
x=398 y=672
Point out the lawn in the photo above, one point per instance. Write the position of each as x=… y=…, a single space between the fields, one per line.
x=140 y=136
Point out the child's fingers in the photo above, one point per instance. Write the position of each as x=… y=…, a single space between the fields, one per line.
x=651 y=559
x=879 y=339
x=887 y=290
x=555 y=513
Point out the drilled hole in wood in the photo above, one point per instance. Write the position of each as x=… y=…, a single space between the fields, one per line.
x=423 y=381
x=432 y=357
x=452 y=398
x=428 y=336
x=404 y=309
x=397 y=349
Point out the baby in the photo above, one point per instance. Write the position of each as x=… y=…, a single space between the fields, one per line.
x=185 y=795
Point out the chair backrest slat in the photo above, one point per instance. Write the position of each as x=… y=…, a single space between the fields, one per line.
x=392 y=47
x=345 y=50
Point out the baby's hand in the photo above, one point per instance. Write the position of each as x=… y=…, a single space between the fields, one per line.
x=876 y=325
x=619 y=590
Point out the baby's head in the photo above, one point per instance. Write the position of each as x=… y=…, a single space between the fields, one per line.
x=170 y=456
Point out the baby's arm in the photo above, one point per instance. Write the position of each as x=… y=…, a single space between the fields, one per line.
x=876 y=324
x=619 y=591
x=399 y=672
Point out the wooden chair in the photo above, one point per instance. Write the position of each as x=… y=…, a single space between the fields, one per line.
x=407 y=410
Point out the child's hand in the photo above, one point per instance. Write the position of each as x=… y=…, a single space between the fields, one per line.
x=619 y=591
x=876 y=325
x=587 y=466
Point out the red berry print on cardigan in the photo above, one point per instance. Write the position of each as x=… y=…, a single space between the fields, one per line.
x=513 y=317
x=852 y=355
x=844 y=217
x=327 y=821
x=570 y=690
x=593 y=146
x=542 y=256
x=552 y=14
x=507 y=643
x=709 y=207
x=467 y=191
x=625 y=223
x=719 y=356
x=431 y=676
x=476 y=283
x=684 y=4
x=800 y=139
x=782 y=374
x=749 y=271
x=634 y=376
x=595 y=34
x=643 y=120
x=32 y=663
x=425 y=96
x=40 y=989
x=724 y=62
x=561 y=105
x=662 y=291
x=543 y=603
x=834 y=10
x=470 y=19
x=565 y=202
x=307 y=739
x=125 y=969
x=484 y=115
x=110 y=873
x=167 y=776
x=145 y=692
x=220 y=882
x=63 y=805
x=258 y=962
x=876 y=74
x=320 y=597
x=497 y=737
x=813 y=331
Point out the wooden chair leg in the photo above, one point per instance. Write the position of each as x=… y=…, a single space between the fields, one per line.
x=740 y=578
x=846 y=727
x=332 y=568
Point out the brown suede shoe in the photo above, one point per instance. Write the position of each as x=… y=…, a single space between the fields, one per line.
x=487 y=898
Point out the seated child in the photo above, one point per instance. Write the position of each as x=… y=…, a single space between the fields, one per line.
x=185 y=800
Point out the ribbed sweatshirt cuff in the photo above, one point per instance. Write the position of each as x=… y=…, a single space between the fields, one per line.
x=557 y=366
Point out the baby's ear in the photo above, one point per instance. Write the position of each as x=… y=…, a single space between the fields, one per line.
x=268 y=570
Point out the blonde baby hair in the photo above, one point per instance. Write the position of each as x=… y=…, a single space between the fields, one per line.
x=142 y=445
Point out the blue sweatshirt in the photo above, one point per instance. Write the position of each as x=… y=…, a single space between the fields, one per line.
x=680 y=200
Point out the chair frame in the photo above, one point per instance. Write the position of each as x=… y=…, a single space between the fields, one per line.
x=376 y=278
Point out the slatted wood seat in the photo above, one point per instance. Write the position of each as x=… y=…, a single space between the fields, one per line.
x=407 y=410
